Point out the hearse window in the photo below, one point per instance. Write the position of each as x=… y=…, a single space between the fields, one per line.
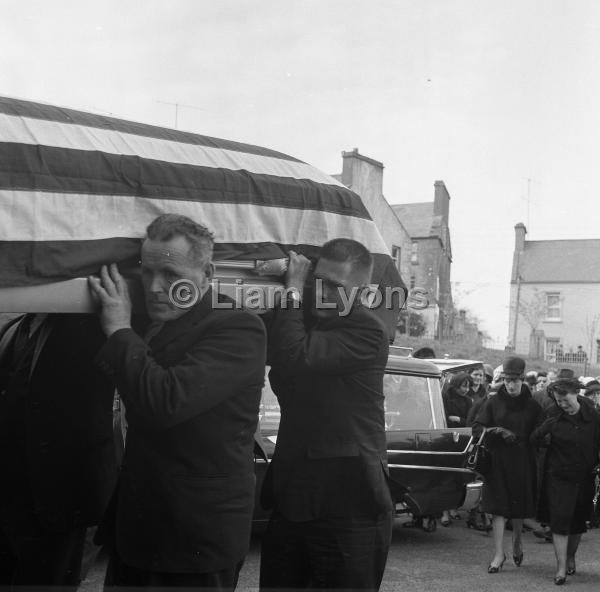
x=407 y=402
x=269 y=413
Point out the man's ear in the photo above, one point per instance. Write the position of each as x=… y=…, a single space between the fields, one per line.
x=210 y=271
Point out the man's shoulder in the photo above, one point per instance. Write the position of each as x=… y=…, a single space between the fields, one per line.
x=228 y=314
x=364 y=319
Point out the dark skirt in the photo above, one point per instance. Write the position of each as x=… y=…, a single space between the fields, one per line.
x=510 y=488
x=564 y=505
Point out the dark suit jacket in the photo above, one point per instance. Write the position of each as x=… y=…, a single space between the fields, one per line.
x=56 y=443
x=186 y=490
x=330 y=458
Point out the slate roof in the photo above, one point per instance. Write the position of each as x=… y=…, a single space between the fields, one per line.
x=561 y=261
x=418 y=219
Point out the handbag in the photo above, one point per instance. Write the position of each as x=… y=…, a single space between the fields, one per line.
x=479 y=458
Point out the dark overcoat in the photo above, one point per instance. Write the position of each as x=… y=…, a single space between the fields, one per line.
x=510 y=489
x=186 y=489
x=572 y=446
x=456 y=404
x=478 y=394
x=57 y=455
x=330 y=458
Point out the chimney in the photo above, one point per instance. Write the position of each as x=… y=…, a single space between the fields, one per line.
x=364 y=176
x=520 y=232
x=441 y=201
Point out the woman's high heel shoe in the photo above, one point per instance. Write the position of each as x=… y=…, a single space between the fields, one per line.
x=518 y=559
x=559 y=580
x=496 y=568
x=571 y=568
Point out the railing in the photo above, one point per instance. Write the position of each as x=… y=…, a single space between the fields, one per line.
x=567 y=358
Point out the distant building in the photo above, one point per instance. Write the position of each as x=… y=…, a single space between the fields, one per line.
x=417 y=236
x=431 y=257
x=555 y=299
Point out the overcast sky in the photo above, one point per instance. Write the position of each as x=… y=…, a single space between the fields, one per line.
x=481 y=94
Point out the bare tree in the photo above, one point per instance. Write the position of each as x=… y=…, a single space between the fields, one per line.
x=592 y=324
x=533 y=310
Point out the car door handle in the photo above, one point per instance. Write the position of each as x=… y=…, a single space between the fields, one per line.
x=423 y=441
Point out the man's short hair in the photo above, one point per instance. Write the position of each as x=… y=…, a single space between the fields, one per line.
x=200 y=238
x=346 y=250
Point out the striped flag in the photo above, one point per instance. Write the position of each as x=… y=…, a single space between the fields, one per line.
x=77 y=190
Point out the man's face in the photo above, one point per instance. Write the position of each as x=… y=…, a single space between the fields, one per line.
x=551 y=376
x=337 y=284
x=163 y=264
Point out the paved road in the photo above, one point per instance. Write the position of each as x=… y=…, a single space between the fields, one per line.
x=452 y=559
x=456 y=558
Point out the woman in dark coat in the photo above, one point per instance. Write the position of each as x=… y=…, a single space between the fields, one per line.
x=509 y=418
x=572 y=434
x=478 y=389
x=456 y=400
x=456 y=407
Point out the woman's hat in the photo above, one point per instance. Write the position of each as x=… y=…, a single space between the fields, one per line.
x=565 y=373
x=562 y=386
x=513 y=366
x=593 y=386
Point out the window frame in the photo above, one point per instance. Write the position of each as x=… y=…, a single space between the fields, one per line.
x=549 y=307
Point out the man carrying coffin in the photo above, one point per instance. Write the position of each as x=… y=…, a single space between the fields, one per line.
x=327 y=484
x=192 y=391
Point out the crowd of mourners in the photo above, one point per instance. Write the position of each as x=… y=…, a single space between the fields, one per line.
x=542 y=431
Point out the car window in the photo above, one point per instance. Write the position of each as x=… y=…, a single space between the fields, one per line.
x=407 y=402
x=269 y=413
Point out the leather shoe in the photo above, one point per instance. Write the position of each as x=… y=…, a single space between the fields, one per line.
x=518 y=559
x=559 y=580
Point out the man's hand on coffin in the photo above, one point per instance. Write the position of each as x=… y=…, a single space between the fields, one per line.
x=297 y=272
x=111 y=292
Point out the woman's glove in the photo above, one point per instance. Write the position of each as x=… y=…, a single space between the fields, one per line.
x=508 y=436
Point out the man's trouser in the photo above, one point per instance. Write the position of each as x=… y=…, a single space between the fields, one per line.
x=335 y=553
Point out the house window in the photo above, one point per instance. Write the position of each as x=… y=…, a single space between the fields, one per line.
x=553 y=348
x=552 y=306
x=597 y=351
x=396 y=256
x=414 y=253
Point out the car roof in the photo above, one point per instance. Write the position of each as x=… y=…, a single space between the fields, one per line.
x=414 y=366
x=448 y=365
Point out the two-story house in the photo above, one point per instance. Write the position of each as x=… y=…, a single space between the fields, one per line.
x=431 y=257
x=555 y=299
